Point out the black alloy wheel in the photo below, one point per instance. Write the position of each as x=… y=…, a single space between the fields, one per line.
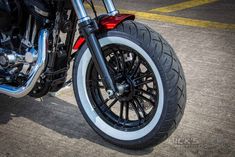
x=135 y=107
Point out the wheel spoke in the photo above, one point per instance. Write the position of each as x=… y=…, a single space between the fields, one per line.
x=110 y=67
x=132 y=62
x=135 y=69
x=103 y=106
x=99 y=79
x=121 y=110
x=101 y=87
x=144 y=82
x=113 y=103
x=117 y=60
x=127 y=111
x=136 y=110
x=140 y=107
x=153 y=89
x=146 y=99
x=146 y=74
x=145 y=92
x=112 y=62
x=123 y=62
x=106 y=100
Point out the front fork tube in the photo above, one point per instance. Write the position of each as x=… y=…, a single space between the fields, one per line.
x=99 y=60
x=87 y=28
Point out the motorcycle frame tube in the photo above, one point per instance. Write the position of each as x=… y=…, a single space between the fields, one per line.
x=18 y=92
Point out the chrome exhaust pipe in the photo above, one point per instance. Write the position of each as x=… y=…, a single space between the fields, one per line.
x=18 y=92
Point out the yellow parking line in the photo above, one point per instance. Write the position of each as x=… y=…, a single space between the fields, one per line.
x=176 y=20
x=181 y=20
x=183 y=5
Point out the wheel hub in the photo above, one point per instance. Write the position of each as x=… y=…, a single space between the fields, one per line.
x=126 y=90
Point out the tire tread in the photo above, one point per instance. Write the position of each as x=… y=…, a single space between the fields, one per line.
x=164 y=54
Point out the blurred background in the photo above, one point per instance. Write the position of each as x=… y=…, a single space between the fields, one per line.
x=212 y=10
x=202 y=32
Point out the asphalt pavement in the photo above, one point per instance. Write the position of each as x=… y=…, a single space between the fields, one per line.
x=203 y=36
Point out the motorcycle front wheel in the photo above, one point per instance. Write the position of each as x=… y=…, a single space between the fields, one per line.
x=147 y=71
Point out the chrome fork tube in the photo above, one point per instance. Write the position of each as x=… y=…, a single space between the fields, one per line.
x=24 y=90
x=80 y=11
x=82 y=14
x=110 y=7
